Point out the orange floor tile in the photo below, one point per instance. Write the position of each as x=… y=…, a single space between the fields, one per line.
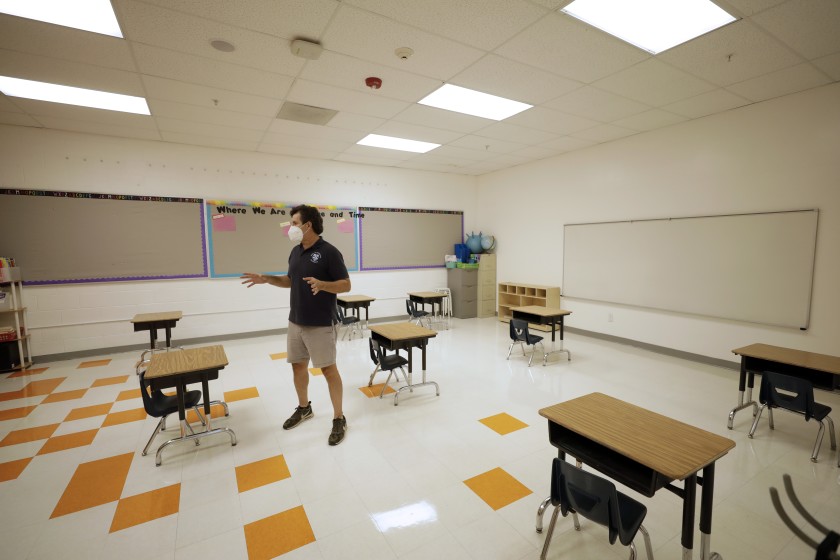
x=42 y=387
x=375 y=389
x=93 y=363
x=88 y=411
x=12 y=469
x=278 y=534
x=29 y=434
x=260 y=473
x=145 y=507
x=316 y=371
x=110 y=381
x=241 y=394
x=216 y=411
x=497 y=488
x=93 y=484
x=130 y=394
x=68 y=441
x=11 y=395
x=124 y=416
x=25 y=372
x=14 y=413
x=65 y=396
x=503 y=423
x=278 y=356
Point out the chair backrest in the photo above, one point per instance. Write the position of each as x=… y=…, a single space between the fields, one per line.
x=339 y=313
x=798 y=395
x=588 y=494
x=374 y=351
x=411 y=308
x=148 y=404
x=519 y=330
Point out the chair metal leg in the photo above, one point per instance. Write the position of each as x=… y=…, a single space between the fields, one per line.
x=549 y=533
x=376 y=369
x=755 y=421
x=540 y=512
x=510 y=349
x=831 y=432
x=632 y=551
x=648 y=546
x=575 y=520
x=159 y=428
x=772 y=425
x=818 y=443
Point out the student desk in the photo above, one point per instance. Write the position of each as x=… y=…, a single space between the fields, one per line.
x=177 y=369
x=544 y=316
x=822 y=370
x=431 y=298
x=153 y=321
x=354 y=303
x=644 y=451
x=405 y=336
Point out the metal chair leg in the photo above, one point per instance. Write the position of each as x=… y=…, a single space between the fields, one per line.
x=510 y=349
x=376 y=369
x=540 y=512
x=159 y=428
x=755 y=421
x=632 y=548
x=648 y=546
x=549 y=533
x=818 y=443
x=831 y=432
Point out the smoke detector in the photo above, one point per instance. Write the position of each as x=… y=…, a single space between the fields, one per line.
x=306 y=49
x=373 y=82
x=404 y=52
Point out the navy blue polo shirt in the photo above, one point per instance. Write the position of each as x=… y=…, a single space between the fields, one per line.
x=324 y=262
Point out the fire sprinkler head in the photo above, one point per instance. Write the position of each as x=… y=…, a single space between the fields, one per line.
x=373 y=82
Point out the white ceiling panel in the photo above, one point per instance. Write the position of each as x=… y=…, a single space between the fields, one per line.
x=550 y=120
x=486 y=144
x=597 y=104
x=373 y=37
x=226 y=143
x=454 y=152
x=340 y=99
x=809 y=27
x=830 y=65
x=351 y=121
x=203 y=96
x=790 y=80
x=323 y=144
x=655 y=83
x=708 y=103
x=297 y=151
x=501 y=76
x=417 y=132
x=650 y=120
x=182 y=111
x=514 y=133
x=441 y=118
x=565 y=46
x=481 y=23
x=104 y=129
x=306 y=130
x=19 y=119
x=8 y=105
x=604 y=133
x=750 y=7
x=567 y=144
x=166 y=124
x=535 y=153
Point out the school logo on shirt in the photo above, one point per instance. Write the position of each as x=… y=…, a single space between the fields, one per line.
x=315 y=257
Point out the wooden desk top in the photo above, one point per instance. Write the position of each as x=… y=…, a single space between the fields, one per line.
x=402 y=331
x=154 y=317
x=541 y=311
x=186 y=361
x=356 y=299
x=427 y=295
x=663 y=444
x=810 y=360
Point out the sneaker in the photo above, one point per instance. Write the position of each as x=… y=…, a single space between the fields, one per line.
x=301 y=414
x=339 y=429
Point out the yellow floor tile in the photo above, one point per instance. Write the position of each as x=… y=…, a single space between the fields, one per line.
x=503 y=423
x=130 y=394
x=14 y=413
x=278 y=356
x=278 y=534
x=241 y=394
x=29 y=434
x=94 y=363
x=12 y=469
x=110 y=381
x=65 y=396
x=497 y=488
x=33 y=389
x=68 y=441
x=146 y=507
x=88 y=411
x=216 y=411
x=316 y=371
x=93 y=484
x=374 y=390
x=260 y=473
x=11 y=395
x=125 y=416
x=25 y=372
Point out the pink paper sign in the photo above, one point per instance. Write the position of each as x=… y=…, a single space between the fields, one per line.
x=223 y=222
x=345 y=226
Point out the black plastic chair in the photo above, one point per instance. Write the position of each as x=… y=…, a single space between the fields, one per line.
x=349 y=322
x=417 y=315
x=386 y=362
x=160 y=406
x=795 y=395
x=519 y=334
x=580 y=492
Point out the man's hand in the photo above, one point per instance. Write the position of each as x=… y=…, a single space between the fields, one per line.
x=315 y=284
x=252 y=279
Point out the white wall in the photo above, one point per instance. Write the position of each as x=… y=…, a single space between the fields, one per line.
x=93 y=316
x=778 y=155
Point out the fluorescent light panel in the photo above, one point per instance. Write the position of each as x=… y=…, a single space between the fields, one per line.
x=652 y=25
x=471 y=102
x=42 y=91
x=88 y=15
x=393 y=143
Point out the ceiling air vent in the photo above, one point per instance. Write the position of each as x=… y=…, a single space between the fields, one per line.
x=305 y=113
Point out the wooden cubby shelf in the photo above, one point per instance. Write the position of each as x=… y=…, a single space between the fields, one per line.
x=513 y=294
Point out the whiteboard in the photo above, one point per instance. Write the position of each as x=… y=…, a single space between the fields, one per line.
x=757 y=268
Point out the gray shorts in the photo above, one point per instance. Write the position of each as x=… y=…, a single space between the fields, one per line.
x=315 y=343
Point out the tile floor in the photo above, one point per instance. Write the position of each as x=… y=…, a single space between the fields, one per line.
x=452 y=477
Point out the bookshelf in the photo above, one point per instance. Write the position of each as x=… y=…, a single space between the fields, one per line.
x=512 y=294
x=14 y=353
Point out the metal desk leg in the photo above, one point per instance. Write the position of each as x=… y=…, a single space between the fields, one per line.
x=742 y=382
x=708 y=490
x=689 y=499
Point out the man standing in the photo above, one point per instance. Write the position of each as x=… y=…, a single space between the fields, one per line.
x=316 y=274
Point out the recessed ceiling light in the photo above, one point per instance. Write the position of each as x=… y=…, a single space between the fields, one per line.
x=221 y=45
x=652 y=25
x=393 y=143
x=471 y=102
x=88 y=15
x=42 y=91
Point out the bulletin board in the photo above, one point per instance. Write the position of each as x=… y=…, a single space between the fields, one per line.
x=73 y=237
x=393 y=238
x=251 y=236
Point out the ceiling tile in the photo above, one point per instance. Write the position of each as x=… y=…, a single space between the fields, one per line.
x=210 y=141
x=18 y=119
x=790 y=80
x=8 y=105
x=604 y=133
x=481 y=23
x=535 y=152
x=350 y=121
x=714 y=101
x=650 y=120
x=441 y=118
x=182 y=111
x=105 y=129
x=433 y=56
x=568 y=47
x=550 y=120
x=168 y=124
x=597 y=104
x=731 y=54
x=456 y=152
x=809 y=27
x=486 y=144
x=288 y=140
x=417 y=132
x=203 y=96
x=513 y=133
x=567 y=144
x=829 y=64
x=340 y=99
x=501 y=76
x=296 y=151
x=655 y=83
x=306 y=130
x=750 y=7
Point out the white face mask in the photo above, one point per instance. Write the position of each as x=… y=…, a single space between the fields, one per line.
x=295 y=234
